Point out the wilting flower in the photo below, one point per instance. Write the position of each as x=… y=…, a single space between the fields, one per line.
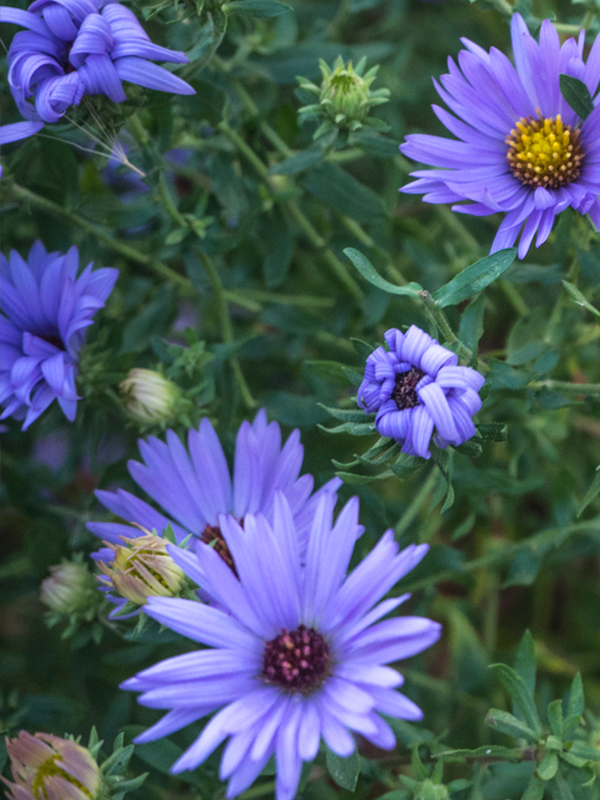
x=45 y=311
x=17 y=131
x=74 y=48
x=520 y=148
x=46 y=766
x=195 y=487
x=415 y=386
x=140 y=568
x=70 y=589
x=148 y=397
x=297 y=650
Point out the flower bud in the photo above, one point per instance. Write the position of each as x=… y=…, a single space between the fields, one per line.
x=142 y=568
x=148 y=397
x=70 y=589
x=46 y=766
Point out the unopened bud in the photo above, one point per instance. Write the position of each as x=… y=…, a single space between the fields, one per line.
x=148 y=397
x=70 y=589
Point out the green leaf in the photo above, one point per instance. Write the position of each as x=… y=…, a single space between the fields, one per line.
x=475 y=278
x=344 y=193
x=591 y=493
x=548 y=767
x=519 y=691
x=560 y=789
x=347 y=415
x=578 y=297
x=507 y=723
x=492 y=431
x=344 y=771
x=257 y=8
x=331 y=371
x=535 y=789
x=555 y=718
x=576 y=697
x=364 y=349
x=577 y=95
x=584 y=751
x=471 y=323
x=367 y=270
x=525 y=664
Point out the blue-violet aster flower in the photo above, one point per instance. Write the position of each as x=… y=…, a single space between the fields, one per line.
x=297 y=650
x=519 y=148
x=415 y=386
x=76 y=47
x=45 y=309
x=195 y=487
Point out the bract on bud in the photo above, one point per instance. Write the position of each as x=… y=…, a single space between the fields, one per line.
x=70 y=589
x=148 y=397
x=46 y=766
x=142 y=568
x=345 y=96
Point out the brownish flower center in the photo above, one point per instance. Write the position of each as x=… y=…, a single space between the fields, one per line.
x=544 y=152
x=299 y=660
x=404 y=393
x=213 y=537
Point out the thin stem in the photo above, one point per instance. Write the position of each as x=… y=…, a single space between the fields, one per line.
x=416 y=504
x=567 y=387
x=227 y=329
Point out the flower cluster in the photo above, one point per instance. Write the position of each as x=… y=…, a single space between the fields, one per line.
x=74 y=48
x=520 y=148
x=45 y=311
x=416 y=386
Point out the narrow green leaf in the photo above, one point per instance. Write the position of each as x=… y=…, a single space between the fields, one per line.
x=535 y=789
x=507 y=723
x=525 y=664
x=343 y=192
x=344 y=771
x=576 y=697
x=578 y=297
x=347 y=415
x=470 y=330
x=364 y=349
x=577 y=95
x=493 y=431
x=560 y=789
x=555 y=718
x=257 y=8
x=475 y=278
x=516 y=687
x=583 y=751
x=591 y=493
x=330 y=371
x=491 y=751
x=367 y=270
x=548 y=767
x=299 y=161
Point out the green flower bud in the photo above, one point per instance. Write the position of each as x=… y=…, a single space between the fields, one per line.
x=70 y=589
x=148 y=397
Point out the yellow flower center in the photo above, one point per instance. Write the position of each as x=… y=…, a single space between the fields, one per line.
x=544 y=152
x=49 y=768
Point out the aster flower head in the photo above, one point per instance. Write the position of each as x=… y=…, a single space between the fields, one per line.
x=74 y=48
x=296 y=651
x=45 y=309
x=46 y=766
x=416 y=386
x=194 y=485
x=519 y=147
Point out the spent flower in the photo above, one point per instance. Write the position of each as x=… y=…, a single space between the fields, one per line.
x=295 y=649
x=148 y=397
x=45 y=309
x=74 y=48
x=415 y=386
x=345 y=97
x=520 y=148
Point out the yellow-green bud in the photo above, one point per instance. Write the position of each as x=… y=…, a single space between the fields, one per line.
x=142 y=568
x=70 y=589
x=45 y=766
x=148 y=397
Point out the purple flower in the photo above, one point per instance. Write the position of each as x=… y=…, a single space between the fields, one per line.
x=520 y=149
x=45 y=311
x=195 y=487
x=416 y=385
x=297 y=650
x=17 y=131
x=77 y=47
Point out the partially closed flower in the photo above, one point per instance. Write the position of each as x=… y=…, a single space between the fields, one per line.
x=416 y=386
x=45 y=311
x=149 y=398
x=45 y=766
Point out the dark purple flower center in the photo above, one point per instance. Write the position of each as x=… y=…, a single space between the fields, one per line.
x=298 y=660
x=544 y=152
x=404 y=393
x=53 y=339
x=213 y=537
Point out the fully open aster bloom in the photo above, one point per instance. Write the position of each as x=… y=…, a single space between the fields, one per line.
x=415 y=386
x=297 y=649
x=76 y=47
x=45 y=311
x=520 y=149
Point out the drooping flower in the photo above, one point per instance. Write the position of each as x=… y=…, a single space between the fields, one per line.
x=415 y=386
x=74 y=48
x=45 y=311
x=519 y=148
x=46 y=766
x=17 y=131
x=195 y=487
x=297 y=649
x=148 y=397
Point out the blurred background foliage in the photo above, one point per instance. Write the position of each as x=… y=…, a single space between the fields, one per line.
x=229 y=237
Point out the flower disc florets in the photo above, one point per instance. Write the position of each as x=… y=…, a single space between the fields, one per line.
x=520 y=148
x=298 y=661
x=415 y=386
x=46 y=766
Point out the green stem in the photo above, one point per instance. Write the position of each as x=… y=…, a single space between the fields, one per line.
x=567 y=387
x=227 y=329
x=258 y=791
x=416 y=504
x=515 y=298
